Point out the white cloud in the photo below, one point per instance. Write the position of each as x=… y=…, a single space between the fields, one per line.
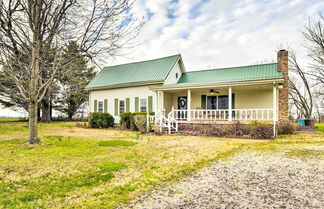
x=221 y=33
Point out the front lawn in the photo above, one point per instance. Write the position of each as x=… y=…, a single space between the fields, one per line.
x=93 y=168
x=319 y=127
x=10 y=119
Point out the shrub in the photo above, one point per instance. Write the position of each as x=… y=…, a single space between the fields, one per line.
x=127 y=120
x=140 y=122
x=101 y=120
x=218 y=131
x=240 y=129
x=262 y=132
x=286 y=127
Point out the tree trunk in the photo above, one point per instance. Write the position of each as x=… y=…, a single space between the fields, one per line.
x=33 y=91
x=46 y=108
x=70 y=116
x=32 y=127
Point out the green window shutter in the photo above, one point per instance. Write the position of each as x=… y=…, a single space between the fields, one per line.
x=150 y=104
x=233 y=101
x=95 y=106
x=116 y=107
x=136 y=104
x=203 y=101
x=127 y=105
x=105 y=105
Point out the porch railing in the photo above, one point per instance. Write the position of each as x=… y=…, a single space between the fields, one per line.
x=237 y=114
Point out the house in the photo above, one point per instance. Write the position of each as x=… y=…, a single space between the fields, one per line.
x=163 y=86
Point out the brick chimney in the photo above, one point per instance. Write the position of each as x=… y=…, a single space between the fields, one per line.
x=282 y=58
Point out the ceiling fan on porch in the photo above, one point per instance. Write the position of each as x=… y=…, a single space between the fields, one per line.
x=213 y=92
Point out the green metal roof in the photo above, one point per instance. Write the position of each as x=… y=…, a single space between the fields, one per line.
x=245 y=73
x=137 y=72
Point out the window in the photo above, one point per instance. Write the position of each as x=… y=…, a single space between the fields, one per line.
x=211 y=102
x=176 y=75
x=100 y=107
x=223 y=102
x=143 y=105
x=121 y=106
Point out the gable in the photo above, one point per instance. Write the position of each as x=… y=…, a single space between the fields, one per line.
x=150 y=71
x=175 y=73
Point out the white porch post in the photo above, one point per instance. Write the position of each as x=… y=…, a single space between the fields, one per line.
x=274 y=102
x=230 y=103
x=274 y=108
x=189 y=105
x=157 y=102
x=161 y=100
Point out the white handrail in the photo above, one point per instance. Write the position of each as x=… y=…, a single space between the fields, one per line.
x=172 y=120
x=264 y=114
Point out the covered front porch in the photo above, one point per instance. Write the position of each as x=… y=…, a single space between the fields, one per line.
x=252 y=101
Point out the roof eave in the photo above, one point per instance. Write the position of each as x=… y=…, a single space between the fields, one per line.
x=214 y=84
x=124 y=85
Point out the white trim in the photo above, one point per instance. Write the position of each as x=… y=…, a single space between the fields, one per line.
x=215 y=85
x=274 y=102
x=189 y=104
x=125 y=85
x=230 y=103
x=156 y=102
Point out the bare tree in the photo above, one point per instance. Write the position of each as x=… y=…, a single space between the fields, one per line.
x=300 y=91
x=40 y=29
x=314 y=34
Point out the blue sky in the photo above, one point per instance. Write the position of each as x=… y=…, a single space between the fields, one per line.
x=214 y=33
x=219 y=33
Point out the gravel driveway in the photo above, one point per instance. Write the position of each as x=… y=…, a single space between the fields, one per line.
x=247 y=180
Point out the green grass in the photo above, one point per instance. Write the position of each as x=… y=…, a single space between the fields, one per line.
x=9 y=119
x=109 y=166
x=97 y=168
x=320 y=127
x=116 y=143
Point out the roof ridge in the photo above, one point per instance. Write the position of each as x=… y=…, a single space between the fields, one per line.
x=232 y=67
x=140 y=61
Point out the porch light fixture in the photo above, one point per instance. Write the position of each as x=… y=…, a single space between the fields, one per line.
x=213 y=92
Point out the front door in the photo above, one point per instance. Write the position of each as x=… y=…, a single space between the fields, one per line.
x=182 y=105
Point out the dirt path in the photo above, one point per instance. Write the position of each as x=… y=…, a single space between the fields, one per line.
x=247 y=180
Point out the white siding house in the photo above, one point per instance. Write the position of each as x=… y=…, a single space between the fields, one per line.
x=163 y=86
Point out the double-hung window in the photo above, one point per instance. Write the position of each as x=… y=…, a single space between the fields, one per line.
x=100 y=106
x=121 y=106
x=143 y=105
